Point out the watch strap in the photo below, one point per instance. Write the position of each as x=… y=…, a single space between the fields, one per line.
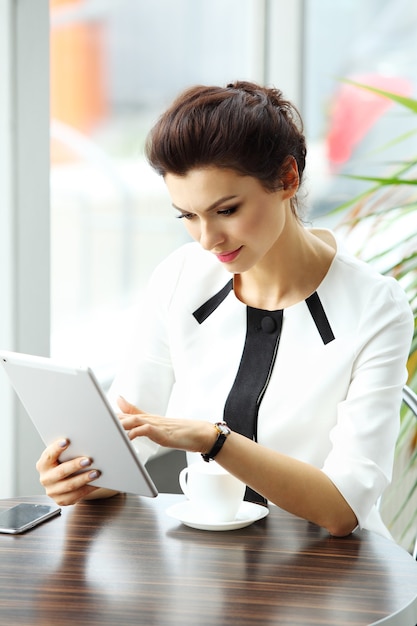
x=223 y=433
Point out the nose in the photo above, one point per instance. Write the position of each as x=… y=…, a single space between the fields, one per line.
x=210 y=237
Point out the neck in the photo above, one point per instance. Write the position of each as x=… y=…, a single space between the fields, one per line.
x=290 y=272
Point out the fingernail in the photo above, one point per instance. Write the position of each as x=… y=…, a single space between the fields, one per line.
x=85 y=462
x=94 y=474
x=63 y=443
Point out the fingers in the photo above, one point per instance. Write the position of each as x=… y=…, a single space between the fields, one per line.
x=136 y=423
x=190 y=435
x=126 y=407
x=130 y=421
x=142 y=425
x=66 y=482
x=50 y=456
x=142 y=430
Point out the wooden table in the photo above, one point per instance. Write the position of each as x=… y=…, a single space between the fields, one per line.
x=124 y=561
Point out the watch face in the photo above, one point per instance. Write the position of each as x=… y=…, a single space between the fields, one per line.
x=223 y=429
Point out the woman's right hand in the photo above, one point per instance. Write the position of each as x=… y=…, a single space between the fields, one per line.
x=61 y=481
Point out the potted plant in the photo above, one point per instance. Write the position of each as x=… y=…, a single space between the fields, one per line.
x=380 y=224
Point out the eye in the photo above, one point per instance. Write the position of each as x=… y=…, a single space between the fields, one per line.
x=228 y=211
x=187 y=216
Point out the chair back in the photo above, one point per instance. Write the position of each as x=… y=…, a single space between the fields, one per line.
x=398 y=503
x=410 y=399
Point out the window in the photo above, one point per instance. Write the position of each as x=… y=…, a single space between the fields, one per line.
x=372 y=42
x=115 y=65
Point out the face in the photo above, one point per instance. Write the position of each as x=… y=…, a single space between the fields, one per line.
x=230 y=215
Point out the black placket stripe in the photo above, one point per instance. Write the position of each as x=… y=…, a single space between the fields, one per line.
x=263 y=332
x=266 y=383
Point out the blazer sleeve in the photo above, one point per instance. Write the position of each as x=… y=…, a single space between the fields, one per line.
x=363 y=440
x=145 y=376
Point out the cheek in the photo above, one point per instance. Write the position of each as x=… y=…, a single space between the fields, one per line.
x=253 y=223
x=266 y=220
x=191 y=226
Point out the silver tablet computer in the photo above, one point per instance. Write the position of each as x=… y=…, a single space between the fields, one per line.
x=68 y=402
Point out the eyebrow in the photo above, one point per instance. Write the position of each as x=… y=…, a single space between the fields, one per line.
x=211 y=207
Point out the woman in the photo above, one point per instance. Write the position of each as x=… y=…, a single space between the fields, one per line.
x=262 y=323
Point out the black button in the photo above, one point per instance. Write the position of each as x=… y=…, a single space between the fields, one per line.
x=268 y=324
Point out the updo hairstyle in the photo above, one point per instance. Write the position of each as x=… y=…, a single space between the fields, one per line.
x=244 y=127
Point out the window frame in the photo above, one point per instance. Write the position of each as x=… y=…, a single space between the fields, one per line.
x=24 y=221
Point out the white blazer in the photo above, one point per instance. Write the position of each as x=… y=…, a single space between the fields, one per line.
x=332 y=402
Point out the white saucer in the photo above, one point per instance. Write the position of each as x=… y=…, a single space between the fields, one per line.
x=186 y=513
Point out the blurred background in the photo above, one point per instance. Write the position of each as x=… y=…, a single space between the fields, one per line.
x=116 y=64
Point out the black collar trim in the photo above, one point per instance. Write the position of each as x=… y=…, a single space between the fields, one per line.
x=320 y=318
x=206 y=309
x=313 y=302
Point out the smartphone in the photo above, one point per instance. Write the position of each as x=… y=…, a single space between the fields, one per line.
x=23 y=516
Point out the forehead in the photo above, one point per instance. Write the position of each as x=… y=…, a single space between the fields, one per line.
x=199 y=188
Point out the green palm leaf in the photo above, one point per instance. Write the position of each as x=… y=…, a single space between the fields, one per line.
x=391 y=197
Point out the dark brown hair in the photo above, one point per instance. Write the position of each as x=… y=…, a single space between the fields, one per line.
x=244 y=127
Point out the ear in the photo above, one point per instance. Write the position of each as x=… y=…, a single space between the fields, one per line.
x=290 y=178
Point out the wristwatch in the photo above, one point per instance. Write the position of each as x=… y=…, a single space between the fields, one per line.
x=223 y=433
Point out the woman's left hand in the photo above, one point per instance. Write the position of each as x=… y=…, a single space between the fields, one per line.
x=181 y=434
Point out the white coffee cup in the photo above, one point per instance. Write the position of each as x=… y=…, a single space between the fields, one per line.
x=213 y=491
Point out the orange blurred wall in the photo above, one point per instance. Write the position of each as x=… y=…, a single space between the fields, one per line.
x=78 y=90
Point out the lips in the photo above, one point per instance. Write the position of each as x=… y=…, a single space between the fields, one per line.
x=228 y=257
